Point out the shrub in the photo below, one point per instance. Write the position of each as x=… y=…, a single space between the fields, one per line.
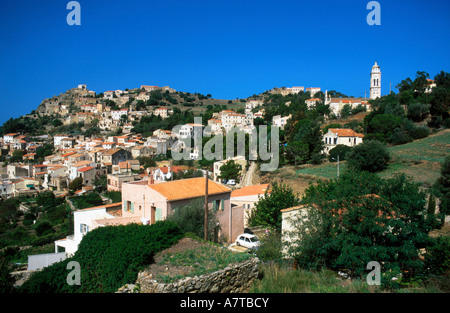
x=371 y=156
x=191 y=219
x=437 y=258
x=109 y=257
x=339 y=150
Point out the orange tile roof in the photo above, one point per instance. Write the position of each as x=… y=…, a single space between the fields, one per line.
x=345 y=132
x=250 y=190
x=85 y=169
x=103 y=206
x=119 y=221
x=82 y=163
x=188 y=188
x=176 y=169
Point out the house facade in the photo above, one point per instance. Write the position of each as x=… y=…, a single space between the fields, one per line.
x=155 y=202
x=341 y=136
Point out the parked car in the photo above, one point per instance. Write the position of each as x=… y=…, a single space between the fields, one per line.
x=248 y=241
x=231 y=182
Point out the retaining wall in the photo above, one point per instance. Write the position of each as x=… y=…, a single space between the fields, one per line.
x=235 y=278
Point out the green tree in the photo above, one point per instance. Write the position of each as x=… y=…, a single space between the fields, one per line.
x=230 y=170
x=76 y=184
x=267 y=211
x=442 y=186
x=359 y=218
x=339 y=150
x=191 y=219
x=371 y=156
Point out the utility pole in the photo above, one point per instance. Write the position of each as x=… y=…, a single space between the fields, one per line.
x=206 y=206
x=338 y=166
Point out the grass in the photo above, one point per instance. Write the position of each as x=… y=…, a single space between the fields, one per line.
x=201 y=260
x=285 y=280
x=421 y=160
x=279 y=280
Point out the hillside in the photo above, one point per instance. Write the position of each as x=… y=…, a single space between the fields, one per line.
x=419 y=159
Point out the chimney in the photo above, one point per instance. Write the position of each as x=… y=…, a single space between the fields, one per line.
x=150 y=177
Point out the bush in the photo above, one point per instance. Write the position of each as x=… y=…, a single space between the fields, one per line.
x=371 y=156
x=191 y=219
x=419 y=132
x=437 y=258
x=339 y=150
x=109 y=257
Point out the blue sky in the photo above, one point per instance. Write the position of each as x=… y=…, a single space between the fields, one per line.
x=229 y=48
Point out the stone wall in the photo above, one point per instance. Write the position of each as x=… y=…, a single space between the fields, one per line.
x=235 y=278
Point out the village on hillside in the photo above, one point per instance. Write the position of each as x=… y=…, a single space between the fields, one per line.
x=118 y=146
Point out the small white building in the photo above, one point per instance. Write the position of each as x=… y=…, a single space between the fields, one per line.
x=280 y=121
x=86 y=220
x=341 y=136
x=108 y=95
x=313 y=90
x=117 y=114
x=163 y=112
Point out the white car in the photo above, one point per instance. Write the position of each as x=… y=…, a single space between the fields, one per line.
x=231 y=182
x=248 y=241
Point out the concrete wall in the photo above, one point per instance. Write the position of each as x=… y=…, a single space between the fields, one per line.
x=38 y=261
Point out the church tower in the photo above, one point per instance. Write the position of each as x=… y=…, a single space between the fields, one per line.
x=375 y=82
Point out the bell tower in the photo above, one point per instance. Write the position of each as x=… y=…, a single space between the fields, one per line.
x=375 y=82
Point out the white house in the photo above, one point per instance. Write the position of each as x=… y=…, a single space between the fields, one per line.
x=117 y=114
x=280 y=121
x=57 y=139
x=290 y=218
x=341 y=136
x=313 y=90
x=163 y=112
x=86 y=220
x=312 y=102
x=108 y=94
x=247 y=197
x=73 y=171
x=297 y=89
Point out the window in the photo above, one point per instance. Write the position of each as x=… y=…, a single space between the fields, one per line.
x=84 y=228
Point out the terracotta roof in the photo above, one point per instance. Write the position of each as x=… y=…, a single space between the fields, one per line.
x=119 y=221
x=102 y=206
x=188 y=188
x=250 y=190
x=176 y=169
x=345 y=132
x=85 y=169
x=82 y=163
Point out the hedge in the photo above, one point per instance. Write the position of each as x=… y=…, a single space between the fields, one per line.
x=109 y=257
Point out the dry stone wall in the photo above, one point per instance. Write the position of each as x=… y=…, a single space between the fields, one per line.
x=235 y=278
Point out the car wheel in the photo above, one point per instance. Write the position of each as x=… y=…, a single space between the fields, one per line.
x=237 y=243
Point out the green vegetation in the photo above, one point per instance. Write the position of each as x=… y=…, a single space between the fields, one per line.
x=351 y=221
x=282 y=280
x=442 y=186
x=267 y=209
x=371 y=156
x=87 y=200
x=191 y=219
x=109 y=257
x=202 y=260
x=230 y=170
x=47 y=219
x=417 y=159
